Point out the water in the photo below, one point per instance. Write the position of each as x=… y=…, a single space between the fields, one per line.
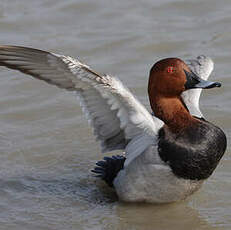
x=46 y=146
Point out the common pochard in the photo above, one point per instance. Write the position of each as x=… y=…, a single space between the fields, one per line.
x=167 y=156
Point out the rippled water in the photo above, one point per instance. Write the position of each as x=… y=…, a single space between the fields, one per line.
x=46 y=146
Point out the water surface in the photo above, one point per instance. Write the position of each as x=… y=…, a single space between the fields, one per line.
x=46 y=146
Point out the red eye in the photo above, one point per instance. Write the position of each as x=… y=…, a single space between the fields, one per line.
x=171 y=69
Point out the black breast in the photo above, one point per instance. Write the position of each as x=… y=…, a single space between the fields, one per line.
x=195 y=153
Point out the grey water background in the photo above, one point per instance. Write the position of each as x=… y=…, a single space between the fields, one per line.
x=46 y=146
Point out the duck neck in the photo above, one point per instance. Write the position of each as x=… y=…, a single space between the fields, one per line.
x=173 y=112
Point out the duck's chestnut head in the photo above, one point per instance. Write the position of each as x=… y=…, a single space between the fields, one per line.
x=171 y=76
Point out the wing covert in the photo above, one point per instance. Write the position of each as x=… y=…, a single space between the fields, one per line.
x=115 y=114
x=202 y=66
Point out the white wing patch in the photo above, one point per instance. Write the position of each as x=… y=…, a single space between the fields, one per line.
x=116 y=115
x=202 y=66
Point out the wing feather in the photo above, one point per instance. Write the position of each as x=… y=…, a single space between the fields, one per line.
x=202 y=66
x=115 y=114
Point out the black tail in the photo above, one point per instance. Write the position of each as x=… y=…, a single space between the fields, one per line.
x=108 y=168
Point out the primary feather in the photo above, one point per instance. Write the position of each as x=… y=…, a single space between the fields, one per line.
x=116 y=115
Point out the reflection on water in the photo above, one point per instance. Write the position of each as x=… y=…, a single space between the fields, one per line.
x=174 y=216
x=92 y=203
x=46 y=146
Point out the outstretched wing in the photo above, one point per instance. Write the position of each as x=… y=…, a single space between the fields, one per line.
x=202 y=66
x=115 y=114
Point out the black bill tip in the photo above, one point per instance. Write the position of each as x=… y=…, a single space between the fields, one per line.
x=217 y=84
x=193 y=81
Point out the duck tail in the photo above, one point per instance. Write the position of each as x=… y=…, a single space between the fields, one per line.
x=108 y=168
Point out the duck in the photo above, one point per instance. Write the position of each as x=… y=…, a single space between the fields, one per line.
x=203 y=67
x=165 y=156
